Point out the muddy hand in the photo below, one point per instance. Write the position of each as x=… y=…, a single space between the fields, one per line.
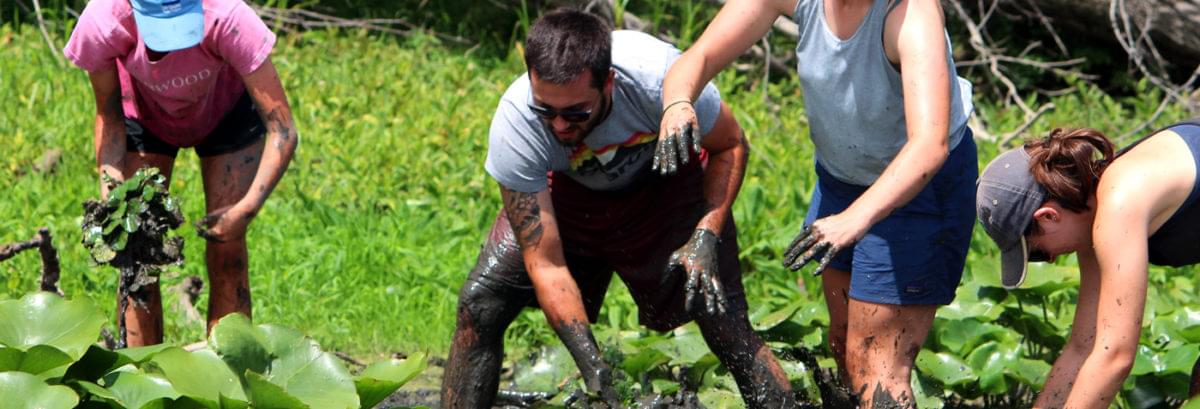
x=698 y=259
x=598 y=393
x=224 y=224
x=809 y=246
x=678 y=137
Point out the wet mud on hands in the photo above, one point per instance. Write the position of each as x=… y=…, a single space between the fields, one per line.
x=698 y=259
x=597 y=375
x=809 y=246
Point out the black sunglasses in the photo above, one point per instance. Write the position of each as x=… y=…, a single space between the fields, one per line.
x=569 y=115
x=1035 y=255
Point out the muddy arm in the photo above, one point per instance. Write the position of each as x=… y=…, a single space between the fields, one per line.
x=110 y=126
x=267 y=91
x=533 y=222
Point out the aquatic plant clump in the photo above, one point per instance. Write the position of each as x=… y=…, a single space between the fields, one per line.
x=129 y=231
x=129 y=228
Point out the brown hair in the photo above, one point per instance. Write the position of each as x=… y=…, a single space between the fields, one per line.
x=1066 y=164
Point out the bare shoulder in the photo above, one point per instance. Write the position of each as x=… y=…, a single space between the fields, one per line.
x=784 y=7
x=912 y=22
x=1155 y=176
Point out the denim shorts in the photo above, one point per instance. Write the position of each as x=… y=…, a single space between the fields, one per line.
x=239 y=128
x=915 y=255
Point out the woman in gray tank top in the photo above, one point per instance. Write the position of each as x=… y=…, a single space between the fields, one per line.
x=890 y=219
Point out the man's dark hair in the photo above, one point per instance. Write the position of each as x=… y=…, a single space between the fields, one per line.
x=564 y=43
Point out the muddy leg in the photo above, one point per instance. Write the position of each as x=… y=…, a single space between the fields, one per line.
x=143 y=325
x=759 y=377
x=882 y=341
x=227 y=178
x=472 y=374
x=836 y=286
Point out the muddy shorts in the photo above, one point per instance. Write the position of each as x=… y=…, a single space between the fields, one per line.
x=632 y=233
x=915 y=255
x=239 y=128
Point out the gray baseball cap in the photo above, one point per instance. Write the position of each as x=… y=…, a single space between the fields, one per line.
x=1005 y=198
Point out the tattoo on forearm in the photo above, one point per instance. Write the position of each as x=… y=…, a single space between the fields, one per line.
x=524 y=215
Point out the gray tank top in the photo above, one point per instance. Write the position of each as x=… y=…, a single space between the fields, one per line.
x=853 y=95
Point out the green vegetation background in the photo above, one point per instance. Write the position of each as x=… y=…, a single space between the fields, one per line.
x=368 y=237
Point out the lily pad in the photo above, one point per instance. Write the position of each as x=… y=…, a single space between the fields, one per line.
x=42 y=318
x=19 y=390
x=944 y=368
x=382 y=378
x=286 y=359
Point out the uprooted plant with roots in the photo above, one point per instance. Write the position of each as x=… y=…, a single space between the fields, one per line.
x=129 y=230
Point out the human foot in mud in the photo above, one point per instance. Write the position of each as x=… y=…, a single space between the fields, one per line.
x=128 y=230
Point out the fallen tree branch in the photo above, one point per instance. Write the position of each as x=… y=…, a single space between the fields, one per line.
x=307 y=19
x=37 y=11
x=1162 y=106
x=50 y=266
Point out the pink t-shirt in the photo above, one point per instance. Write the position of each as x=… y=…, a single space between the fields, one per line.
x=183 y=96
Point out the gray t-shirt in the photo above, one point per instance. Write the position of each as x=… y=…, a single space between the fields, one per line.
x=522 y=148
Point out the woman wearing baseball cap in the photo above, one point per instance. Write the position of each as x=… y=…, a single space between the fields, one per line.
x=1069 y=192
x=170 y=74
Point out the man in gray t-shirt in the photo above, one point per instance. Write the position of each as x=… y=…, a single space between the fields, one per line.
x=572 y=147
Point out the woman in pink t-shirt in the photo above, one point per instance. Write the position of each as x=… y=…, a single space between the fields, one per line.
x=169 y=74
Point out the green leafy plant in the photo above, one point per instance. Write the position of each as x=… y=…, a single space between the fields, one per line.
x=48 y=359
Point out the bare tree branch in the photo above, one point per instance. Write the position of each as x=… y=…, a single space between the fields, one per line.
x=37 y=8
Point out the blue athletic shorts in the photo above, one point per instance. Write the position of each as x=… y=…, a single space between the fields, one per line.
x=916 y=255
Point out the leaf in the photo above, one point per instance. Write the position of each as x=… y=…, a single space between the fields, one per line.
x=118 y=214
x=380 y=379
x=201 y=376
x=1183 y=324
x=171 y=204
x=1146 y=361
x=543 y=371
x=266 y=395
x=684 y=349
x=131 y=223
x=1181 y=359
x=138 y=390
x=143 y=353
x=643 y=361
x=1030 y=372
x=962 y=336
x=148 y=192
x=944 y=368
x=927 y=394
x=93 y=235
x=42 y=318
x=94 y=363
x=285 y=358
x=720 y=399
x=990 y=361
x=36 y=361
x=19 y=390
x=778 y=316
x=101 y=253
x=118 y=243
